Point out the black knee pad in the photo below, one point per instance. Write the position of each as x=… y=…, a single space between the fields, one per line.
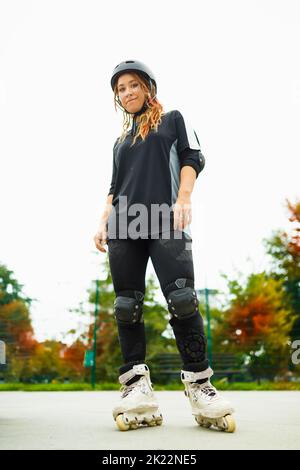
x=129 y=310
x=183 y=303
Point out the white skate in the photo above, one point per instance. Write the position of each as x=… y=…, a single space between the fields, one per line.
x=138 y=405
x=208 y=406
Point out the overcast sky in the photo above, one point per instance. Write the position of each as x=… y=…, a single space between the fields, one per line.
x=232 y=69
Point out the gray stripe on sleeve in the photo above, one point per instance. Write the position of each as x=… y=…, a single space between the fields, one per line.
x=174 y=164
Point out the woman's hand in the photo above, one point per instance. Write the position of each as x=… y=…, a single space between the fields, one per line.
x=100 y=238
x=182 y=212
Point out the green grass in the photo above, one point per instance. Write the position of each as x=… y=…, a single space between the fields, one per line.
x=221 y=385
x=239 y=386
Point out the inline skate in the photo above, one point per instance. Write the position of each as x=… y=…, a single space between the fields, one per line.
x=209 y=408
x=138 y=405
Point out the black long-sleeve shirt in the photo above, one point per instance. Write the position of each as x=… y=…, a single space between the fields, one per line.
x=148 y=173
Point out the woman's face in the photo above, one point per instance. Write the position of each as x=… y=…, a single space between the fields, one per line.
x=130 y=93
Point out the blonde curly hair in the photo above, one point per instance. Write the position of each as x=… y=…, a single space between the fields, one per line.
x=150 y=119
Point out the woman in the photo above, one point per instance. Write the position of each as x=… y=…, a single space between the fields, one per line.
x=155 y=164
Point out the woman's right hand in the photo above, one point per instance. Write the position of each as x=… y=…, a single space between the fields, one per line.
x=100 y=238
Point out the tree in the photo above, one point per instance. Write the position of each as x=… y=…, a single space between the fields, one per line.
x=284 y=250
x=10 y=288
x=15 y=324
x=257 y=324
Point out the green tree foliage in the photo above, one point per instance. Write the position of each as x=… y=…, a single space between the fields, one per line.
x=257 y=324
x=284 y=250
x=15 y=323
x=27 y=359
x=10 y=289
x=49 y=361
x=262 y=317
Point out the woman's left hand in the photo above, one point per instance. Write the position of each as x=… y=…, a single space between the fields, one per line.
x=182 y=212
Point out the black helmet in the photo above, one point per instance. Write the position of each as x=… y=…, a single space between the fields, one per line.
x=133 y=66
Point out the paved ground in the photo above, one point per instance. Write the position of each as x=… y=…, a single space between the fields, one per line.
x=82 y=420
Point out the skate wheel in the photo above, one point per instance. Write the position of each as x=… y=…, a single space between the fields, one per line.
x=122 y=425
x=230 y=423
x=159 y=420
x=206 y=425
x=152 y=423
x=133 y=426
x=203 y=423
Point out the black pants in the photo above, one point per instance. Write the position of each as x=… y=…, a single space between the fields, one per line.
x=172 y=259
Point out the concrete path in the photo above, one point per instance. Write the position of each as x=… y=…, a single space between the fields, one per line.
x=83 y=420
